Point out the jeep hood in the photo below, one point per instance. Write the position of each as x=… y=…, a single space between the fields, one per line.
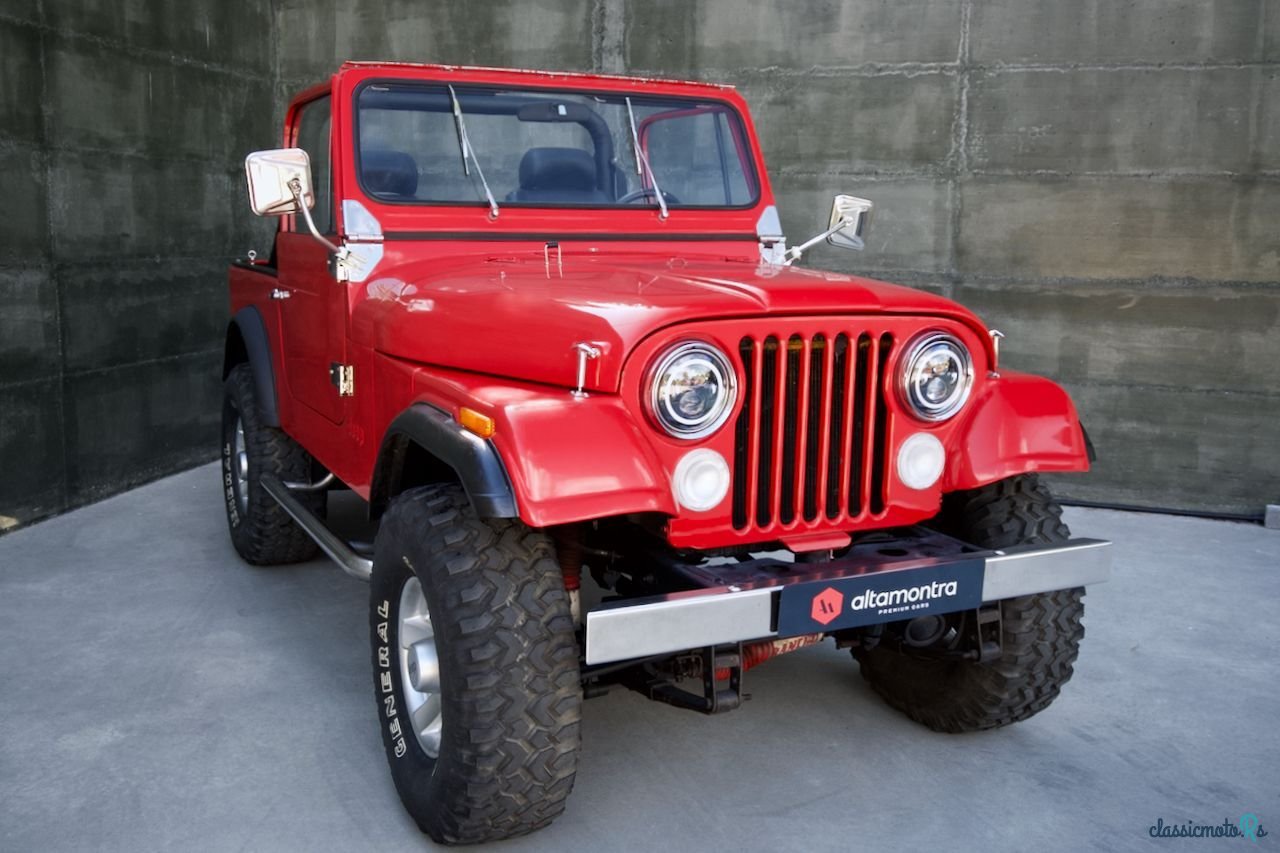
x=520 y=316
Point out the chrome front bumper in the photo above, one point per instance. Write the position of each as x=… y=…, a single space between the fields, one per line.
x=735 y=613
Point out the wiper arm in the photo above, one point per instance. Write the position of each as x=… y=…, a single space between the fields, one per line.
x=469 y=154
x=642 y=162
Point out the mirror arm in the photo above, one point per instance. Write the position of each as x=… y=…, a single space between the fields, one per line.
x=793 y=254
x=295 y=186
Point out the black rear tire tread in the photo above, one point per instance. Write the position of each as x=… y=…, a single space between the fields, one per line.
x=264 y=535
x=509 y=660
x=1041 y=633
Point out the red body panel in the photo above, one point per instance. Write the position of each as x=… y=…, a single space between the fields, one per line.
x=462 y=310
x=1017 y=424
x=498 y=309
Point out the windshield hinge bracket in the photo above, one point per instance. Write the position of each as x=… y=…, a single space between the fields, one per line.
x=773 y=251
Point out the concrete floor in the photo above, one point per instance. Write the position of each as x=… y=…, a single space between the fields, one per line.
x=158 y=694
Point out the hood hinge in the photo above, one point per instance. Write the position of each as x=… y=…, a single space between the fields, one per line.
x=343 y=376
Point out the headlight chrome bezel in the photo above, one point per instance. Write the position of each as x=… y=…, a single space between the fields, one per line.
x=908 y=378
x=669 y=422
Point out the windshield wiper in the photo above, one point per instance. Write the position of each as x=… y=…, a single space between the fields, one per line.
x=469 y=154
x=642 y=162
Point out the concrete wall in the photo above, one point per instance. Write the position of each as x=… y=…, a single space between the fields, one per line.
x=1098 y=179
x=122 y=127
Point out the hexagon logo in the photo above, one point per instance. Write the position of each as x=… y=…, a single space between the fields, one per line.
x=827 y=605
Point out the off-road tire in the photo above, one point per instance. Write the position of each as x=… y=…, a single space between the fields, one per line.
x=262 y=532
x=508 y=663
x=1041 y=633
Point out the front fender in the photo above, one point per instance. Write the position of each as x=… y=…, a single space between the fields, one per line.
x=572 y=460
x=552 y=458
x=473 y=460
x=1020 y=424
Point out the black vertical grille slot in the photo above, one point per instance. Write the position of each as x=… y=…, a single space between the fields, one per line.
x=742 y=436
x=861 y=376
x=791 y=417
x=880 y=449
x=768 y=403
x=839 y=379
x=814 y=427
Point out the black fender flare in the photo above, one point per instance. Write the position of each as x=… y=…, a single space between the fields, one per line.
x=1088 y=443
x=473 y=460
x=247 y=341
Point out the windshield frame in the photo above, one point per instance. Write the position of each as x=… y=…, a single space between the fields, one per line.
x=738 y=128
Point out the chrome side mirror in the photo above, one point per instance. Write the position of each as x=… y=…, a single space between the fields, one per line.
x=280 y=184
x=279 y=181
x=849 y=218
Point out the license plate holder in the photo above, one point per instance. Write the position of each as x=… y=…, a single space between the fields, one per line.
x=877 y=597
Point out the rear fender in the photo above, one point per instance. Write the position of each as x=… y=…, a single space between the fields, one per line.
x=247 y=342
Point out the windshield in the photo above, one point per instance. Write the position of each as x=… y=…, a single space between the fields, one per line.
x=534 y=147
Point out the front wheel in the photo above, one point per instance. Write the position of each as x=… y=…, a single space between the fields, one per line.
x=475 y=669
x=1040 y=633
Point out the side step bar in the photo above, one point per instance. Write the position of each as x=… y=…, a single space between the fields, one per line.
x=337 y=549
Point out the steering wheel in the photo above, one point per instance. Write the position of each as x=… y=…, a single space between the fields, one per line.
x=635 y=195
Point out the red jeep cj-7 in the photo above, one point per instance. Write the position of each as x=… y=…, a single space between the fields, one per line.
x=548 y=322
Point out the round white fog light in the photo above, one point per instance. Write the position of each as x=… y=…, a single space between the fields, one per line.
x=701 y=480
x=920 y=461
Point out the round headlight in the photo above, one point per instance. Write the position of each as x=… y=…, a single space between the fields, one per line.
x=692 y=390
x=937 y=375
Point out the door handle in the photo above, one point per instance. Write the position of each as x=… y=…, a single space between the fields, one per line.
x=277 y=293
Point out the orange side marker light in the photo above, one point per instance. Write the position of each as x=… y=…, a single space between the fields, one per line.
x=473 y=421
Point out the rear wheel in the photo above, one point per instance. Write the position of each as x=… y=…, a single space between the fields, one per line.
x=475 y=668
x=262 y=532
x=1040 y=633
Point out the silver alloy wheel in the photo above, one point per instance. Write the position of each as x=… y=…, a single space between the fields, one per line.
x=420 y=668
x=240 y=461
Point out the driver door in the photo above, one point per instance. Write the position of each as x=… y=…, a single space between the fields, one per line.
x=314 y=314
